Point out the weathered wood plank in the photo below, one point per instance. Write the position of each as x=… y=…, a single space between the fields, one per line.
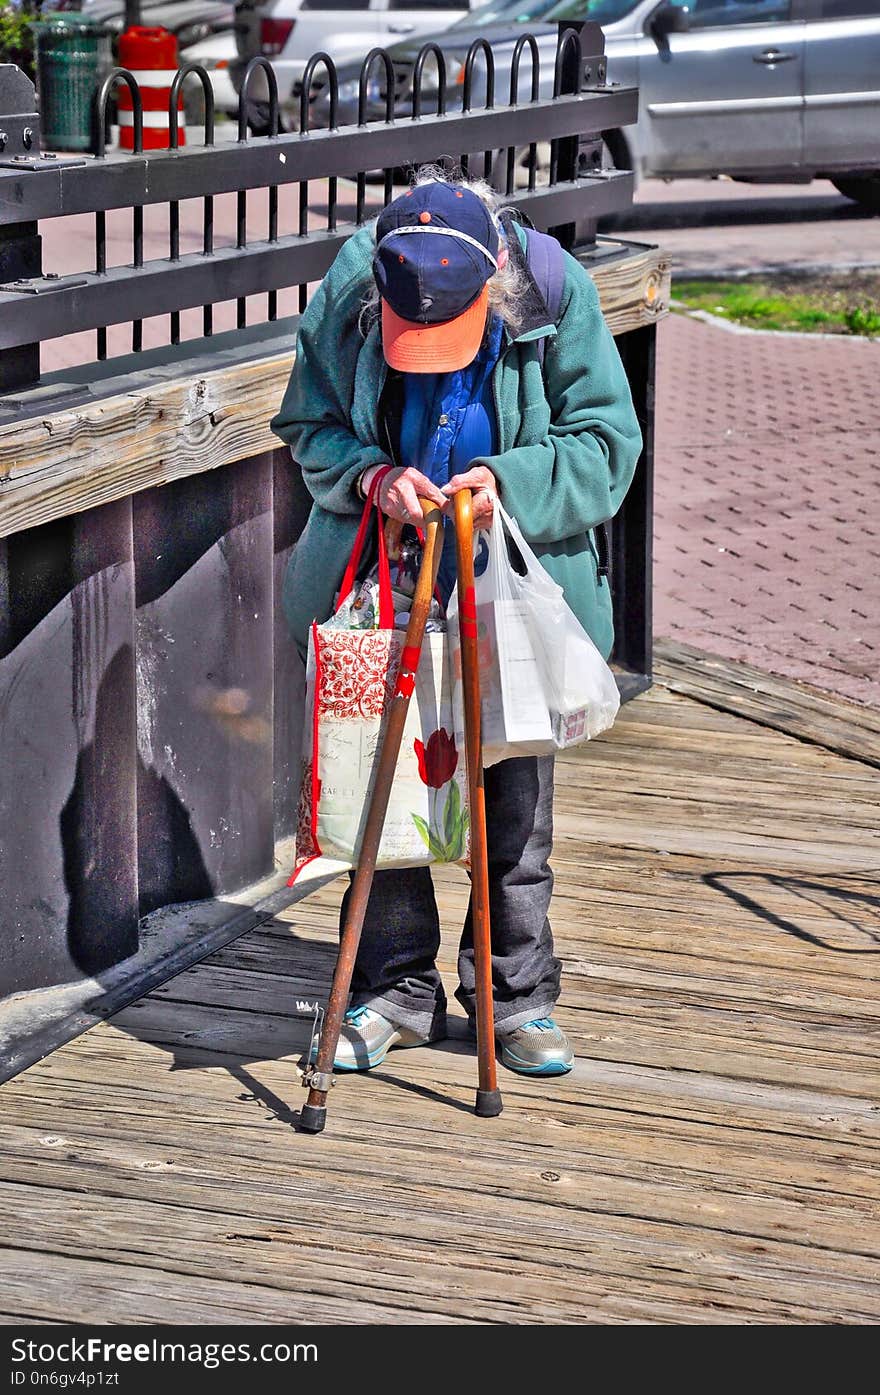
x=634 y=290
x=780 y=703
x=67 y=461
x=34 y=1293
x=714 y=1155
x=71 y=461
x=262 y=1231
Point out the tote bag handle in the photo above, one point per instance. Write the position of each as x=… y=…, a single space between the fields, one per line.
x=386 y=606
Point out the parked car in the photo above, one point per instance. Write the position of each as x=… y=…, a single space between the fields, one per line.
x=497 y=22
x=226 y=55
x=190 y=20
x=763 y=90
x=346 y=29
x=261 y=27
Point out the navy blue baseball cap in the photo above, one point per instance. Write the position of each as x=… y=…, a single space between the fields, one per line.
x=436 y=249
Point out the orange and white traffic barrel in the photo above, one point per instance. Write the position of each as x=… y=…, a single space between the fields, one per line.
x=151 y=57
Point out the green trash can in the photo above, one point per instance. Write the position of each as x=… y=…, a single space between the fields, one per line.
x=73 y=55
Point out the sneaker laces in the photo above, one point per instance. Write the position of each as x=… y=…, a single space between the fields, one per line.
x=356 y=1016
x=540 y=1024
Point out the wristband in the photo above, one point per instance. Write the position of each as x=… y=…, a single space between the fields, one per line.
x=366 y=480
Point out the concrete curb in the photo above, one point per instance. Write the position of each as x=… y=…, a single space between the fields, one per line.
x=745 y=273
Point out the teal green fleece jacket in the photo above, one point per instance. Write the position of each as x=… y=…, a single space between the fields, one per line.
x=568 y=437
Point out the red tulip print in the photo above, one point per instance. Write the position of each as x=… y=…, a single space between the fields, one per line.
x=445 y=836
x=438 y=760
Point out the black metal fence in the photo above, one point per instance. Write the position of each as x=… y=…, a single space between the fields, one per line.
x=386 y=137
x=149 y=701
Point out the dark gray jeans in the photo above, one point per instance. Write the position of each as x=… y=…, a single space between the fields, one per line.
x=395 y=972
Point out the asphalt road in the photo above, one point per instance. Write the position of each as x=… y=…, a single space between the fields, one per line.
x=717 y=225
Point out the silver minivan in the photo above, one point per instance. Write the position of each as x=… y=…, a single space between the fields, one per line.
x=781 y=90
x=760 y=89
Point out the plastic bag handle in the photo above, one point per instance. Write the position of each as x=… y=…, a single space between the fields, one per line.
x=386 y=605
x=539 y=575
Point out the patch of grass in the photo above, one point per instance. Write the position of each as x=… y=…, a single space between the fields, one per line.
x=863 y=320
x=811 y=304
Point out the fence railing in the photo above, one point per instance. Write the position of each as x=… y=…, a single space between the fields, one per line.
x=570 y=190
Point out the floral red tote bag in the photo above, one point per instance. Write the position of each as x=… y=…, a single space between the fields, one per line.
x=350 y=679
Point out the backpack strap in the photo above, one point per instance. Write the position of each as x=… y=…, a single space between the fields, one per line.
x=546 y=263
x=547 y=266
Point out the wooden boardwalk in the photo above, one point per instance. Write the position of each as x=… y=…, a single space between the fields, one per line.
x=712 y=1158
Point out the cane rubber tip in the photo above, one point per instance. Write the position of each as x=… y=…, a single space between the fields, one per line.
x=488 y=1104
x=312 y=1118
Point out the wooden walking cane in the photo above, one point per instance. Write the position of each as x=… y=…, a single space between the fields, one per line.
x=318 y=1076
x=488 y=1102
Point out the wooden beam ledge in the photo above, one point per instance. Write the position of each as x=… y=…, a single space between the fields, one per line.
x=66 y=461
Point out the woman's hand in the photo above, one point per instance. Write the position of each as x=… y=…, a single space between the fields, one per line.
x=483 y=484
x=400 y=491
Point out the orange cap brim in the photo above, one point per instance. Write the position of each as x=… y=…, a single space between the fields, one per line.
x=415 y=348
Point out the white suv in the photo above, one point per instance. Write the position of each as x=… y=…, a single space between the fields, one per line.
x=292 y=30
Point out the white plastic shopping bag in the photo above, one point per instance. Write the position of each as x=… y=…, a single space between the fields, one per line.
x=515 y=719
x=350 y=680
x=544 y=684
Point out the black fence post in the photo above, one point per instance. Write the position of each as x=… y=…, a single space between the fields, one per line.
x=631 y=571
x=580 y=67
x=20 y=244
x=291 y=505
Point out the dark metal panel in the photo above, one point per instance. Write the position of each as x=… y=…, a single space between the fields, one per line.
x=67 y=710
x=292 y=503
x=20 y=119
x=203 y=559
x=629 y=685
x=20 y=256
x=131 y=293
x=128 y=180
x=632 y=529
x=5 y=617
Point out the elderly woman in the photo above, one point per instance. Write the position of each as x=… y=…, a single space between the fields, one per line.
x=429 y=348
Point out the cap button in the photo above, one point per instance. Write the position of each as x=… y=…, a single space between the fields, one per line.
x=425 y=217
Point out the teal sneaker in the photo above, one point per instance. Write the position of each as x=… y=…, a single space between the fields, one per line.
x=367 y=1037
x=539 y=1047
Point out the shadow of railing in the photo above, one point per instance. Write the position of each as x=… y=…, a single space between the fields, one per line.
x=749 y=890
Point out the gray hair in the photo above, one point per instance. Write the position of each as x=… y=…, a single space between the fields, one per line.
x=506 y=287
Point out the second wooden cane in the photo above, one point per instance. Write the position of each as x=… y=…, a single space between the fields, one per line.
x=488 y=1102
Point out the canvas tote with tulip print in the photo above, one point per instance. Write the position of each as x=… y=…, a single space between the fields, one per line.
x=350 y=680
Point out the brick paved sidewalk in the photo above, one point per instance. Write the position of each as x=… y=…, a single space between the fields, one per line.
x=767 y=534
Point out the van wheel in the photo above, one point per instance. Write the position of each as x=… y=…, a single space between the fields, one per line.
x=613 y=157
x=863 y=189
